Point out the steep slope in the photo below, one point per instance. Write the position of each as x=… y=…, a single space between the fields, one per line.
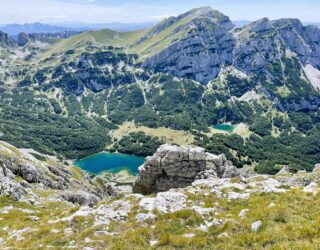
x=273 y=40
x=194 y=45
x=275 y=53
x=26 y=175
x=95 y=40
x=5 y=41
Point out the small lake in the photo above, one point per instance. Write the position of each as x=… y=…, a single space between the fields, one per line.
x=224 y=127
x=110 y=162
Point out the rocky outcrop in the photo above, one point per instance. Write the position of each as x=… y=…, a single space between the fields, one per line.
x=21 y=173
x=8 y=186
x=23 y=39
x=177 y=167
x=82 y=198
x=5 y=41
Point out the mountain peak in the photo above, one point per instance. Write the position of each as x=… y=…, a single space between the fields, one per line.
x=202 y=10
x=215 y=16
x=260 y=25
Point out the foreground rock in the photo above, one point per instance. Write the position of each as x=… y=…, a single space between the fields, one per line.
x=212 y=204
x=177 y=167
x=22 y=176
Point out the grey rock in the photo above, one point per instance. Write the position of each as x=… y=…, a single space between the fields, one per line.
x=238 y=196
x=177 y=167
x=44 y=176
x=101 y=233
x=311 y=188
x=256 y=226
x=141 y=218
x=316 y=168
x=243 y=212
x=8 y=185
x=285 y=170
x=81 y=197
x=164 y=202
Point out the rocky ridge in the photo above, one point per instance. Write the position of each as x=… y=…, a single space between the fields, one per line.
x=210 y=42
x=5 y=41
x=206 y=46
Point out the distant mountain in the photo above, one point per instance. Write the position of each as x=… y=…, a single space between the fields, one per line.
x=40 y=28
x=112 y=26
x=312 y=23
x=242 y=23
x=65 y=27
x=15 y=29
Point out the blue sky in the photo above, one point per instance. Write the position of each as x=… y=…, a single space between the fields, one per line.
x=101 y=11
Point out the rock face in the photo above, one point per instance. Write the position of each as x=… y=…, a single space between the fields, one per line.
x=5 y=41
x=209 y=42
x=273 y=54
x=199 y=55
x=21 y=172
x=177 y=167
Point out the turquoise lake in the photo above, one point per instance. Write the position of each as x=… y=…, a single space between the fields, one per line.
x=110 y=162
x=224 y=127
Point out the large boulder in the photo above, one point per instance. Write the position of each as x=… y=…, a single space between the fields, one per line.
x=177 y=167
x=81 y=197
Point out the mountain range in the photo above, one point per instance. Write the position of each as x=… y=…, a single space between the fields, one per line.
x=227 y=117
x=35 y=28
x=186 y=73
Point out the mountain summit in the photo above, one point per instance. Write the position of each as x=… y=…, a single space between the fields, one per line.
x=214 y=15
x=193 y=45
